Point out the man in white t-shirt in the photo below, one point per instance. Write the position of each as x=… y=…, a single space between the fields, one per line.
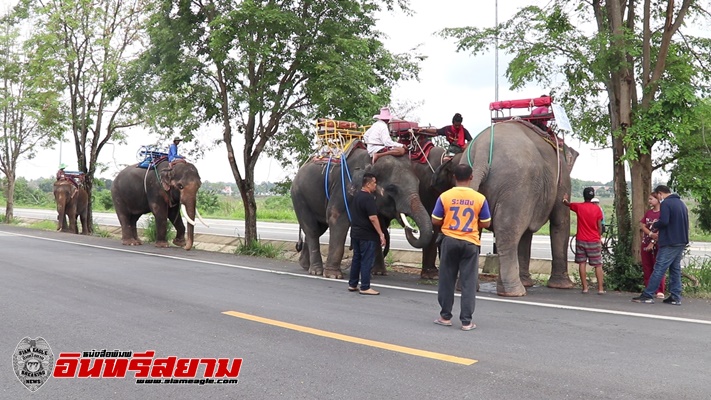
x=377 y=137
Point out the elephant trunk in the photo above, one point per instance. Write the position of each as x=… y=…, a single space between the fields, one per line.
x=189 y=215
x=417 y=212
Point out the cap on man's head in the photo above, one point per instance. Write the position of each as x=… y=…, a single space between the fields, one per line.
x=457 y=118
x=177 y=139
x=62 y=166
x=662 y=189
x=588 y=193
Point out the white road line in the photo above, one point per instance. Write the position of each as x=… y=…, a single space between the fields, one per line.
x=500 y=300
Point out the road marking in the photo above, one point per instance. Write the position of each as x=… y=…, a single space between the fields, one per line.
x=406 y=289
x=353 y=339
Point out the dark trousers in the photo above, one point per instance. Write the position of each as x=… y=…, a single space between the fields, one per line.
x=362 y=264
x=458 y=256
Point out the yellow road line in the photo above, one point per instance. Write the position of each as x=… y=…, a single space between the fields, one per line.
x=353 y=339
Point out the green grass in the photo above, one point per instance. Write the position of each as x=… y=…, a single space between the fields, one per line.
x=44 y=225
x=149 y=230
x=258 y=249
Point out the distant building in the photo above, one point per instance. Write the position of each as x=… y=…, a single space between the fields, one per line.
x=227 y=190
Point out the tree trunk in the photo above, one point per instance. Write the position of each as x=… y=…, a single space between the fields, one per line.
x=88 y=185
x=620 y=183
x=641 y=175
x=250 y=213
x=10 y=198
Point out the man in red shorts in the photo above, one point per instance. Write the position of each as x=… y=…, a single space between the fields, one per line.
x=588 y=246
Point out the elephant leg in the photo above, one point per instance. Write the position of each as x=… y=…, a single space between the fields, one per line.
x=177 y=220
x=84 y=221
x=129 y=236
x=429 y=258
x=524 y=258
x=161 y=231
x=379 y=267
x=314 y=254
x=509 y=283
x=560 y=233
x=304 y=256
x=338 y=226
x=133 y=229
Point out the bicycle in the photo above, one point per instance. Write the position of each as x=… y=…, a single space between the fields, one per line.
x=608 y=240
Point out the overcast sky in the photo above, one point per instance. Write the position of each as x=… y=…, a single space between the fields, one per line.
x=450 y=82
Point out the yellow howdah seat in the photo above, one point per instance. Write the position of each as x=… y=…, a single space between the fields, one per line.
x=334 y=138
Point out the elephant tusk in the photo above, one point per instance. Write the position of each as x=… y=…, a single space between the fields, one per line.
x=184 y=212
x=197 y=214
x=407 y=224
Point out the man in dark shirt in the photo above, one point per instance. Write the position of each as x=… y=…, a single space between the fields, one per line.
x=366 y=235
x=672 y=239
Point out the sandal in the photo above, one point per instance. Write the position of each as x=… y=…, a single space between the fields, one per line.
x=440 y=321
x=601 y=292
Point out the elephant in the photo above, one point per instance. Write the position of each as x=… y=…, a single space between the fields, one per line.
x=320 y=200
x=72 y=202
x=166 y=190
x=524 y=183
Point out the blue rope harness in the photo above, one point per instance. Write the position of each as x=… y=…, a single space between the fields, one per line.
x=344 y=172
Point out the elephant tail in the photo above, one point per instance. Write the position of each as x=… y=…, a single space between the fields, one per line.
x=299 y=243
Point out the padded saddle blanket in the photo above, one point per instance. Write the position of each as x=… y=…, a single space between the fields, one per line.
x=152 y=159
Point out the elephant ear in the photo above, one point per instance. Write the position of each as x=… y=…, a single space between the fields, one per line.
x=166 y=176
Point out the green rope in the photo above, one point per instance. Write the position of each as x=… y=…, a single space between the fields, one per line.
x=491 y=147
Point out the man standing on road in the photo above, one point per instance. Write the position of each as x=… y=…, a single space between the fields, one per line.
x=460 y=212
x=672 y=239
x=588 y=246
x=365 y=236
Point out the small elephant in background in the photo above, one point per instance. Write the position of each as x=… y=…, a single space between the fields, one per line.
x=72 y=202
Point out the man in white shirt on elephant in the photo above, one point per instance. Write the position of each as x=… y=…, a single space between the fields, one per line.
x=377 y=137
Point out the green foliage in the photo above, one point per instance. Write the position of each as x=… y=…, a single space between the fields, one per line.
x=264 y=69
x=208 y=202
x=150 y=232
x=103 y=199
x=258 y=249
x=28 y=196
x=700 y=269
x=622 y=272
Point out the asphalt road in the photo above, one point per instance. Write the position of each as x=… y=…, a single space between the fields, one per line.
x=540 y=248
x=83 y=293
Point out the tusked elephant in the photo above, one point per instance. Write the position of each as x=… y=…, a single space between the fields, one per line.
x=318 y=195
x=72 y=202
x=167 y=191
x=524 y=186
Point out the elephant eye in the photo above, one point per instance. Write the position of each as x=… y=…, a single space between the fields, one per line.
x=180 y=186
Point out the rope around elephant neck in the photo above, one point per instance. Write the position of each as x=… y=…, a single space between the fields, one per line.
x=471 y=144
x=344 y=166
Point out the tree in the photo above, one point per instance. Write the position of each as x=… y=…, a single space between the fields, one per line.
x=261 y=70
x=690 y=171
x=633 y=55
x=92 y=42
x=29 y=104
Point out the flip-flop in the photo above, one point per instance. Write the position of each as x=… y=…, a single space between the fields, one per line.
x=602 y=292
x=352 y=289
x=442 y=322
x=469 y=327
x=584 y=291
